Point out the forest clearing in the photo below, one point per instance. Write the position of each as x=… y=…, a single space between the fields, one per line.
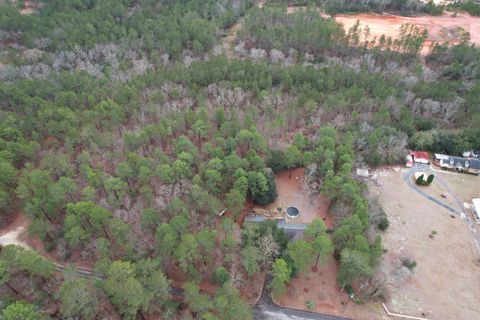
x=447 y=28
x=292 y=191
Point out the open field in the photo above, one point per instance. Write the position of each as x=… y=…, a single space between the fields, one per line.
x=465 y=186
x=291 y=194
x=443 y=284
x=440 y=191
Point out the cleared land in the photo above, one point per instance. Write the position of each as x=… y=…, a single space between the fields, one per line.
x=15 y=233
x=321 y=287
x=443 y=284
x=291 y=193
x=440 y=29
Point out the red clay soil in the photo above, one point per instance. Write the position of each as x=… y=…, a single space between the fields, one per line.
x=321 y=287
x=246 y=209
x=440 y=29
x=208 y=287
x=176 y=275
x=291 y=194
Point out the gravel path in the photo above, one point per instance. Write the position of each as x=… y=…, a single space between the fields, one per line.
x=461 y=213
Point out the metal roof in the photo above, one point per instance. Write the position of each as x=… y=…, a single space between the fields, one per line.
x=458 y=161
x=254 y=218
x=292 y=226
x=420 y=155
x=281 y=223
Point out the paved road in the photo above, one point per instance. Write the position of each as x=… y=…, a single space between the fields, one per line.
x=279 y=313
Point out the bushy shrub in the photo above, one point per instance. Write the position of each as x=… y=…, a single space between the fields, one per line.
x=430 y=179
x=409 y=263
x=422 y=182
x=432 y=9
x=310 y=304
x=271 y=194
x=277 y=161
x=220 y=275
x=383 y=224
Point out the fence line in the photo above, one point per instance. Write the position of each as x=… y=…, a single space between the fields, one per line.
x=400 y=315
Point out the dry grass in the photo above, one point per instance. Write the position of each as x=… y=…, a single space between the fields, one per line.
x=444 y=283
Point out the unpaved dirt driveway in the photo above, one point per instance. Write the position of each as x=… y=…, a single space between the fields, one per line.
x=228 y=42
x=15 y=232
x=440 y=29
x=445 y=283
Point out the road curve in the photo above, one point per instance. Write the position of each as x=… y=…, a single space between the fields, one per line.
x=266 y=309
x=460 y=213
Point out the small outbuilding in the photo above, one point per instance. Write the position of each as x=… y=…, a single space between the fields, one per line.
x=417 y=157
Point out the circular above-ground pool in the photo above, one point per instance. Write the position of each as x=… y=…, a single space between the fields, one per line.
x=292 y=212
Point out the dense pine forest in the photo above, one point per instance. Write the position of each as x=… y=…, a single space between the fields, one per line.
x=125 y=129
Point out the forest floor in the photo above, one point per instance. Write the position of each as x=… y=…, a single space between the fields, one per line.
x=230 y=39
x=291 y=193
x=441 y=286
x=441 y=29
x=321 y=287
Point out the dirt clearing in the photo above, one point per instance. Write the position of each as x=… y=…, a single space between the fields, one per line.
x=440 y=29
x=15 y=232
x=444 y=284
x=321 y=287
x=292 y=194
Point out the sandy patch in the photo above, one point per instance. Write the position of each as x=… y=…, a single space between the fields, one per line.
x=28 y=8
x=229 y=41
x=15 y=232
x=444 y=284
